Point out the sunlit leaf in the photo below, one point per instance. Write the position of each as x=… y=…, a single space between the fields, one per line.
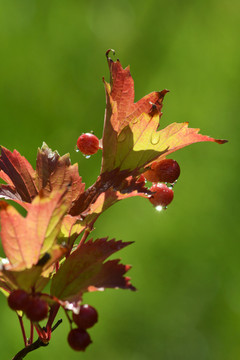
x=131 y=139
x=20 y=172
x=24 y=240
x=71 y=228
x=53 y=173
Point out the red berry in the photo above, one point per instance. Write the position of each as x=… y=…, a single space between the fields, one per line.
x=37 y=309
x=166 y=170
x=88 y=144
x=86 y=318
x=18 y=299
x=79 y=339
x=141 y=179
x=163 y=195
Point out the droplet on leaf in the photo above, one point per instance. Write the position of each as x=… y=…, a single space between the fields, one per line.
x=122 y=136
x=135 y=120
x=155 y=137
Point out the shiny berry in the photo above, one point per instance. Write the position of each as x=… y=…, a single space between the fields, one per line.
x=88 y=144
x=141 y=179
x=166 y=170
x=86 y=318
x=162 y=196
x=37 y=309
x=79 y=339
x=18 y=299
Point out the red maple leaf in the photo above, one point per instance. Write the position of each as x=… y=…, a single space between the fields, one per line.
x=30 y=243
x=131 y=139
x=85 y=270
x=52 y=173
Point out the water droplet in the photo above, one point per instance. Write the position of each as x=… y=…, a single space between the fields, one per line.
x=122 y=136
x=87 y=156
x=155 y=137
x=76 y=149
x=135 y=120
x=159 y=208
x=4 y=261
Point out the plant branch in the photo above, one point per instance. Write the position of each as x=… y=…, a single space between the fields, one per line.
x=34 y=346
x=52 y=315
x=23 y=330
x=30 y=341
x=86 y=233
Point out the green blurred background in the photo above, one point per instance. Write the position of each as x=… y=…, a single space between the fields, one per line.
x=185 y=260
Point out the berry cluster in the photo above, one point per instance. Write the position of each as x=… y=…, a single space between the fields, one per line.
x=79 y=338
x=161 y=172
x=35 y=308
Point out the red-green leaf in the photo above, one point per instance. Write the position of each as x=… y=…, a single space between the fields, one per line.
x=24 y=240
x=37 y=277
x=71 y=228
x=20 y=172
x=84 y=270
x=55 y=172
x=9 y=192
x=110 y=187
x=130 y=137
x=24 y=279
x=178 y=135
x=111 y=275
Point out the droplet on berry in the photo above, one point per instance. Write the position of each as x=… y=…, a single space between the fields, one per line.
x=160 y=208
x=79 y=339
x=162 y=196
x=166 y=170
x=37 y=309
x=18 y=300
x=88 y=144
x=86 y=318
